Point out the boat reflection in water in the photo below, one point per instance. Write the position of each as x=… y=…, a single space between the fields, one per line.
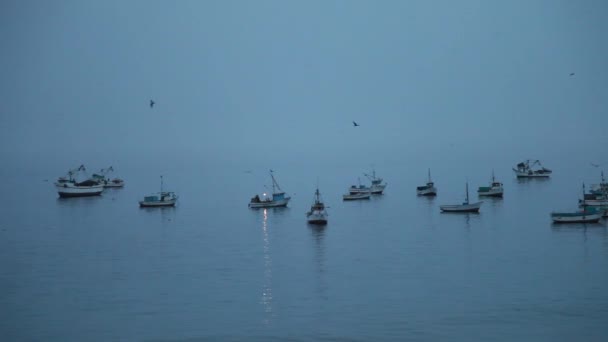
x=266 y=299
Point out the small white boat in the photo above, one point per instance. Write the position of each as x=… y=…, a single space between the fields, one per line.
x=317 y=213
x=377 y=187
x=277 y=199
x=465 y=207
x=102 y=177
x=69 y=186
x=531 y=169
x=159 y=199
x=357 y=196
x=428 y=189
x=494 y=190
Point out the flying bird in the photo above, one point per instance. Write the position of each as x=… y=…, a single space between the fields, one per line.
x=571 y=74
x=595 y=165
x=355 y=124
x=151 y=103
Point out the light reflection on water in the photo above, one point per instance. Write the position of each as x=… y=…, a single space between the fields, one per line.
x=266 y=299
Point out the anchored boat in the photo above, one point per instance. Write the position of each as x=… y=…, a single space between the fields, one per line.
x=102 y=177
x=377 y=187
x=494 y=190
x=277 y=199
x=465 y=207
x=587 y=214
x=317 y=213
x=531 y=169
x=428 y=189
x=159 y=199
x=357 y=196
x=69 y=186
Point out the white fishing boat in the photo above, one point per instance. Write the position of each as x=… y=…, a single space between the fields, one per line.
x=69 y=186
x=317 y=213
x=597 y=197
x=465 y=207
x=494 y=190
x=428 y=189
x=357 y=196
x=376 y=187
x=278 y=198
x=102 y=177
x=160 y=199
x=531 y=169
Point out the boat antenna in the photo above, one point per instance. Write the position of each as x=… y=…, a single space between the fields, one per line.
x=161 y=183
x=429 y=172
x=467 y=190
x=493 y=181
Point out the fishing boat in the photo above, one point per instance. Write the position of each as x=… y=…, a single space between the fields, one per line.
x=317 y=213
x=465 y=207
x=601 y=188
x=102 y=177
x=69 y=186
x=357 y=196
x=159 y=199
x=276 y=199
x=360 y=189
x=494 y=190
x=531 y=169
x=588 y=215
x=597 y=197
x=377 y=187
x=428 y=189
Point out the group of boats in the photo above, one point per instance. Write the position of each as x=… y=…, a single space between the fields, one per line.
x=592 y=206
x=73 y=185
x=76 y=183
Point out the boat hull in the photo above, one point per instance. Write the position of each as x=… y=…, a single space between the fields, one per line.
x=377 y=189
x=354 y=191
x=570 y=218
x=317 y=218
x=79 y=191
x=523 y=174
x=427 y=192
x=269 y=204
x=491 y=193
x=461 y=208
x=356 y=197
x=144 y=204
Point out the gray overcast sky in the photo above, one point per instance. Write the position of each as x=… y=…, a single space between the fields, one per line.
x=230 y=77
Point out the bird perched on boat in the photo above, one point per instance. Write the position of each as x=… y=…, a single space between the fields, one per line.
x=151 y=103
x=355 y=124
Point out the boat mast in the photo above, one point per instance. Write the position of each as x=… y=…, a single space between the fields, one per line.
x=274 y=183
x=467 y=190
x=429 y=171
x=161 y=183
x=493 y=181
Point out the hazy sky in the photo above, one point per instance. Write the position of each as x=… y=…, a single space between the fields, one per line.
x=235 y=80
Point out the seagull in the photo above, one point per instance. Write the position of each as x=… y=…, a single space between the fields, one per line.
x=595 y=165
x=151 y=103
x=355 y=124
x=571 y=74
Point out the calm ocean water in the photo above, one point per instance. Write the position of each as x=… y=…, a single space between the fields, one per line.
x=392 y=268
